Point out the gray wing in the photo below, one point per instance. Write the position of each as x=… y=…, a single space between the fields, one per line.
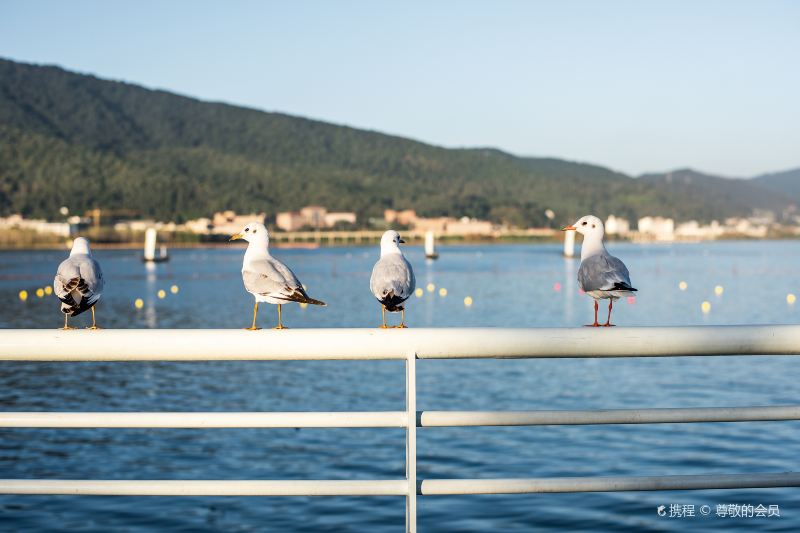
x=78 y=283
x=262 y=283
x=272 y=278
x=393 y=276
x=603 y=273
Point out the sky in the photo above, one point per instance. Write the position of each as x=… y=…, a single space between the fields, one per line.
x=635 y=86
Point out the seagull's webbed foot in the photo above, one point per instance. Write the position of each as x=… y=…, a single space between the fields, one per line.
x=402 y=320
x=66 y=328
x=280 y=326
x=94 y=326
x=608 y=325
x=251 y=328
x=595 y=325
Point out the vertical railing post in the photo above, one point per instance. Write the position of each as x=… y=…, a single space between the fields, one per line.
x=411 y=442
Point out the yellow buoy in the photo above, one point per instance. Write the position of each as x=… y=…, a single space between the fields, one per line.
x=138 y=303
x=431 y=287
x=162 y=294
x=683 y=285
x=718 y=290
x=468 y=301
x=48 y=290
x=705 y=307
x=419 y=292
x=23 y=295
x=174 y=289
x=790 y=298
x=442 y=292
x=39 y=292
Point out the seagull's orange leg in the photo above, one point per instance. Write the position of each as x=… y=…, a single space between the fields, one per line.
x=94 y=323
x=383 y=315
x=402 y=319
x=596 y=324
x=608 y=323
x=280 y=319
x=66 y=323
x=255 y=312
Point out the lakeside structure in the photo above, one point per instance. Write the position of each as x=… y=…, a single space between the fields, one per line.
x=297 y=225
x=315 y=217
x=451 y=226
x=61 y=229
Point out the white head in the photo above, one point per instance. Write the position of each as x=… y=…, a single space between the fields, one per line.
x=390 y=243
x=588 y=226
x=80 y=246
x=254 y=233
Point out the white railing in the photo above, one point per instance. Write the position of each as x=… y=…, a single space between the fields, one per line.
x=408 y=345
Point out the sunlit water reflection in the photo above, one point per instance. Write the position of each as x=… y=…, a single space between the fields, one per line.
x=511 y=285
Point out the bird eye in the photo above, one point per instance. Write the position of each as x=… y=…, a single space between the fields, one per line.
x=584 y=223
x=592 y=226
x=248 y=229
x=254 y=231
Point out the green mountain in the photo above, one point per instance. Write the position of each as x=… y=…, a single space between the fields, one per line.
x=787 y=183
x=731 y=196
x=76 y=140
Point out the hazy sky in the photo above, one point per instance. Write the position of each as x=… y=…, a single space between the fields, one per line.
x=637 y=86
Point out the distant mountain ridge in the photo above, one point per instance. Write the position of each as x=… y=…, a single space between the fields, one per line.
x=787 y=182
x=80 y=141
x=732 y=195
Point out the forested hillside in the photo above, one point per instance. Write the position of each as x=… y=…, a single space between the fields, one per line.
x=76 y=140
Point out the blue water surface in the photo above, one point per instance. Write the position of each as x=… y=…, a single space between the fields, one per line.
x=520 y=285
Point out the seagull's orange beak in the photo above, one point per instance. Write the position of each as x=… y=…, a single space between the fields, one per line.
x=568 y=228
x=236 y=237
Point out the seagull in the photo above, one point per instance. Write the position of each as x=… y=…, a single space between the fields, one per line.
x=78 y=282
x=392 y=280
x=601 y=275
x=266 y=278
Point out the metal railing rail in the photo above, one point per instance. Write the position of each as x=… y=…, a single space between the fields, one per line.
x=407 y=345
x=371 y=343
x=390 y=419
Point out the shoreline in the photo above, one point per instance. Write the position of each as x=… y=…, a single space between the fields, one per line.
x=50 y=246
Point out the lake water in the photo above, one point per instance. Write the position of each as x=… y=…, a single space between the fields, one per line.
x=511 y=285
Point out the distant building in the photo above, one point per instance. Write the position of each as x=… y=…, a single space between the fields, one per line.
x=290 y=221
x=312 y=216
x=438 y=225
x=617 y=226
x=435 y=224
x=755 y=227
x=406 y=217
x=143 y=225
x=658 y=228
x=453 y=226
x=62 y=229
x=331 y=219
x=134 y=225
x=469 y=226
x=228 y=222
x=199 y=225
x=692 y=230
